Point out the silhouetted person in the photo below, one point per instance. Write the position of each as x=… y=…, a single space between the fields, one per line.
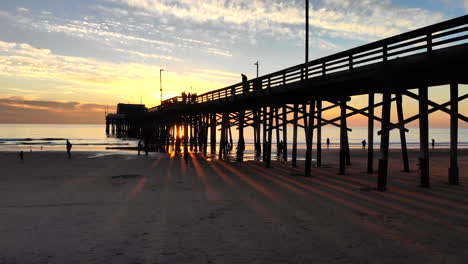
x=280 y=148
x=69 y=147
x=433 y=143
x=363 y=144
x=140 y=147
x=21 y=155
x=184 y=97
x=245 y=87
x=228 y=148
x=328 y=142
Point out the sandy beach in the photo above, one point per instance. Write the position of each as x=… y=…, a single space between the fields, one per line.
x=160 y=209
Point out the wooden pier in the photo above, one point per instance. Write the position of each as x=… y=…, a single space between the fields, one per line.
x=403 y=65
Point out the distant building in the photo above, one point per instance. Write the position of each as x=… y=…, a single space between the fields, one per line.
x=129 y=109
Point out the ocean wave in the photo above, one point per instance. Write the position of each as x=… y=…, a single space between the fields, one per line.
x=59 y=144
x=32 y=139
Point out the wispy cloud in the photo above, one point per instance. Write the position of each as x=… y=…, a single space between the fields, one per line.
x=106 y=80
x=148 y=56
x=21 y=110
x=370 y=18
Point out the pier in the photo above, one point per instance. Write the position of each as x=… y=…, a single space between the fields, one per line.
x=406 y=65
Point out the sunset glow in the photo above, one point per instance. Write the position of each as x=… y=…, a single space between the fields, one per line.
x=64 y=62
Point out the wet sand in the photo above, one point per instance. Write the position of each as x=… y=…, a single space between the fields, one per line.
x=160 y=209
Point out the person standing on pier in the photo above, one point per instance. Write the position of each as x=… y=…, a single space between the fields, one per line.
x=245 y=87
x=433 y=143
x=363 y=144
x=69 y=147
x=328 y=142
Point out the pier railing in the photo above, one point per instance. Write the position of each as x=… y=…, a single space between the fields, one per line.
x=424 y=40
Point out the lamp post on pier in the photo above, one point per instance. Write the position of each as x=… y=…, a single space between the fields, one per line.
x=160 y=83
x=257 y=67
x=307 y=31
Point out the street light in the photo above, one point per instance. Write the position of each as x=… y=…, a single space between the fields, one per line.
x=160 y=82
x=307 y=31
x=257 y=67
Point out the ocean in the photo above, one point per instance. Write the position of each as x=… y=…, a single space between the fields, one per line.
x=52 y=137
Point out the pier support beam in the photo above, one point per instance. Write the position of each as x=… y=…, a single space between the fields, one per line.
x=294 y=147
x=213 y=134
x=278 y=141
x=241 y=143
x=370 y=135
x=348 y=154
x=343 y=132
x=223 y=139
x=424 y=137
x=270 y=135
x=285 y=134
x=264 y=138
x=186 y=138
x=319 y=133
x=257 y=145
x=401 y=120
x=453 y=169
x=384 y=141
x=309 y=139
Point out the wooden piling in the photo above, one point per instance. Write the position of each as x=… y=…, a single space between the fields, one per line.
x=404 y=149
x=294 y=147
x=264 y=121
x=213 y=134
x=370 y=135
x=270 y=135
x=241 y=143
x=453 y=178
x=186 y=134
x=285 y=134
x=424 y=137
x=319 y=133
x=310 y=137
x=278 y=141
x=384 y=141
x=342 y=162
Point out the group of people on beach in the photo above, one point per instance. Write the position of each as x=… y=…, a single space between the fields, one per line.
x=68 y=144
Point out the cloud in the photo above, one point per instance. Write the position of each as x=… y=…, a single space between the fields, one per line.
x=22 y=9
x=148 y=56
x=369 y=18
x=20 y=110
x=77 y=77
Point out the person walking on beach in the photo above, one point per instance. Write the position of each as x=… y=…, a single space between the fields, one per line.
x=139 y=147
x=328 y=142
x=69 y=147
x=433 y=143
x=363 y=144
x=280 y=148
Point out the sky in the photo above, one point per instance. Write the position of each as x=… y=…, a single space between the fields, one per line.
x=63 y=61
